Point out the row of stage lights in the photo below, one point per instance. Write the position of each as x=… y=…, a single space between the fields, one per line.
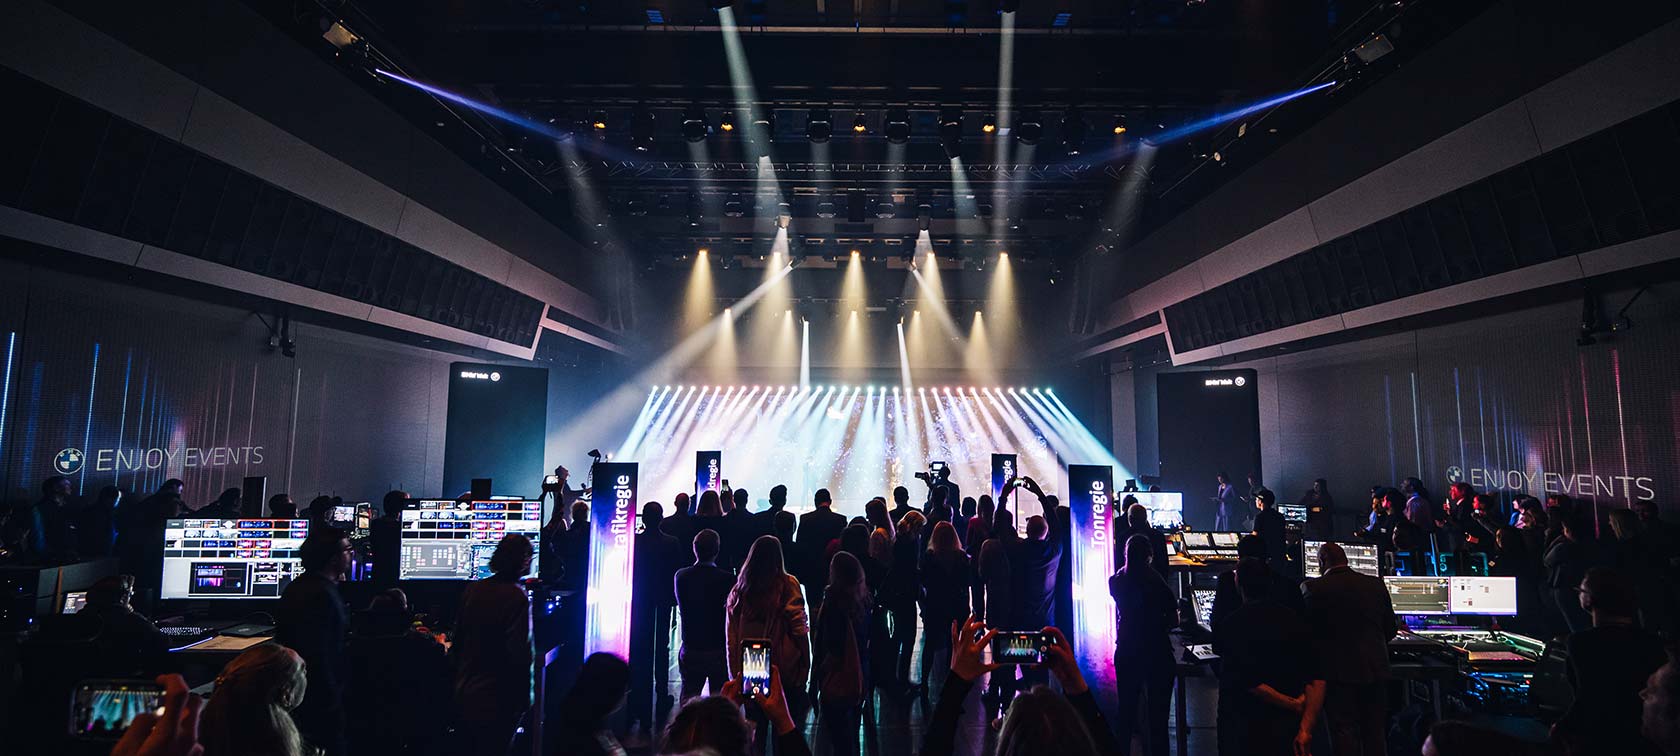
x=868 y=389
x=820 y=126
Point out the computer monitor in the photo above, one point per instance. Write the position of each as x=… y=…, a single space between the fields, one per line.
x=73 y=602
x=1420 y=595
x=343 y=516
x=1202 y=601
x=1205 y=545
x=231 y=559
x=1196 y=540
x=1496 y=596
x=1166 y=508
x=449 y=540
x=1295 y=513
x=1362 y=557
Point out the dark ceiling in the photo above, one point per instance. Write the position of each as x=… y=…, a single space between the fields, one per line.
x=641 y=69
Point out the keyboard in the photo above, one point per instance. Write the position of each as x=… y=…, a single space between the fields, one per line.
x=1497 y=656
x=184 y=631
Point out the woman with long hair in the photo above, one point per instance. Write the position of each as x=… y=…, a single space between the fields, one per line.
x=766 y=602
x=840 y=651
x=249 y=714
x=877 y=515
x=945 y=581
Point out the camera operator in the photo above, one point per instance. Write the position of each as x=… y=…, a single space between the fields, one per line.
x=554 y=540
x=939 y=478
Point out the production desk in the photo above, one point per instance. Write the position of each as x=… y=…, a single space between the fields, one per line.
x=1498 y=667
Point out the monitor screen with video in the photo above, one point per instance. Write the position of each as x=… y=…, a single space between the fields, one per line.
x=1362 y=557
x=450 y=540
x=1420 y=595
x=1491 y=596
x=231 y=559
x=1201 y=599
x=1166 y=508
x=1295 y=513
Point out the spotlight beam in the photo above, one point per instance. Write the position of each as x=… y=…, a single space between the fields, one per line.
x=600 y=149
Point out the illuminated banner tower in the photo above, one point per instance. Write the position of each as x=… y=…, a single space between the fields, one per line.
x=708 y=471
x=1091 y=506
x=612 y=538
x=1003 y=468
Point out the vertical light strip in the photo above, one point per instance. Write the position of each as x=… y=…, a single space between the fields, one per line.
x=6 y=389
x=612 y=525
x=87 y=428
x=122 y=417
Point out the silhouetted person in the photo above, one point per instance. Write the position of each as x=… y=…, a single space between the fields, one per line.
x=1225 y=500
x=764 y=523
x=1033 y=561
x=1352 y=620
x=1420 y=510
x=740 y=525
x=492 y=653
x=898 y=596
x=680 y=523
x=1660 y=720
x=1285 y=591
x=281 y=507
x=399 y=680
x=124 y=634
x=840 y=652
x=708 y=515
x=577 y=547
x=1608 y=665
x=1145 y=612
x=657 y=557
x=386 y=536
x=816 y=528
x=945 y=576
x=1269 y=688
x=964 y=514
x=1568 y=557
x=1270 y=526
x=901 y=504
x=225 y=507
x=701 y=590
x=96 y=532
x=140 y=531
x=49 y=527
x=1321 y=510
x=765 y=602
x=600 y=689
x=1136 y=522
x=310 y=619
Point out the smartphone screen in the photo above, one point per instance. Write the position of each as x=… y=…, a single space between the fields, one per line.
x=102 y=709
x=1020 y=647
x=755 y=667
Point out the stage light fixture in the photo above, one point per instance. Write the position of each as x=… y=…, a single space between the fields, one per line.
x=859 y=126
x=763 y=128
x=1073 y=130
x=719 y=4
x=1119 y=124
x=988 y=124
x=950 y=133
x=598 y=121
x=694 y=127
x=1029 y=127
x=924 y=217
x=818 y=127
x=642 y=125
x=726 y=123
x=897 y=126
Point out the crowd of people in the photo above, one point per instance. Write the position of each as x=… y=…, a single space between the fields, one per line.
x=843 y=603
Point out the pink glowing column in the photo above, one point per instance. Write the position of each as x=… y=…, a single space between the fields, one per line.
x=1091 y=507
x=612 y=540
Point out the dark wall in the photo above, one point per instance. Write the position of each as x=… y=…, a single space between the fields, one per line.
x=496 y=419
x=1487 y=400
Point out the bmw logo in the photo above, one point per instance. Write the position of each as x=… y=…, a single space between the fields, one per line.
x=1454 y=474
x=1241 y=381
x=68 y=461
x=495 y=377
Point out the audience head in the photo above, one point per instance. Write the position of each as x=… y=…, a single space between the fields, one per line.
x=1003 y=523
x=389 y=600
x=251 y=704
x=1254 y=579
x=1609 y=593
x=936 y=496
x=1483 y=504
x=944 y=539
x=281 y=507
x=855 y=538
x=599 y=690
x=985 y=509
x=1578 y=526
x=1052 y=503
x=1646 y=510
x=1624 y=523
x=759 y=585
x=1560 y=502
x=726 y=504
x=710 y=724
x=319 y=508
x=1509 y=542
x=172 y=487
x=876 y=513
x=880 y=545
x=969 y=506
x=393 y=504
x=911 y=524
x=1253 y=479
x=1331 y=555
x=741 y=499
x=901 y=497
x=1532 y=516
x=1222 y=478
x=682 y=505
x=1394 y=502
x=1128 y=500
x=1265 y=499
x=108 y=498
x=1411 y=486
x=326 y=551
x=1251 y=546
x=778 y=497
x=56 y=487
x=846 y=582
x=785 y=523
x=1460 y=490
x=1137 y=552
x=1661 y=705
x=1320 y=486
x=994 y=559
x=1452 y=738
x=1137 y=515
x=652 y=515
x=706 y=546
x=111 y=591
x=823 y=499
x=512 y=557
x=580 y=513
x=387 y=613
x=1037 y=528
x=1044 y=721
x=711 y=505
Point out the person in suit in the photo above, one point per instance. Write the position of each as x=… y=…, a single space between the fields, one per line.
x=1226 y=500
x=1228 y=598
x=739 y=523
x=1352 y=620
x=816 y=528
x=701 y=590
x=1270 y=526
x=901 y=504
x=1269 y=688
x=656 y=560
x=764 y=523
x=1137 y=523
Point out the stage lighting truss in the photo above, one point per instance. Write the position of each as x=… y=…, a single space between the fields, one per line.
x=897 y=126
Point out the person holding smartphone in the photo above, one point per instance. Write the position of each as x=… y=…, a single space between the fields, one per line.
x=767 y=603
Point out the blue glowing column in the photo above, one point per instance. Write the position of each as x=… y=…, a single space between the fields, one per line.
x=1003 y=468
x=612 y=523
x=708 y=471
x=1092 y=512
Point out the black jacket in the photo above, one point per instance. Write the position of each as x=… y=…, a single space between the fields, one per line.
x=1034 y=564
x=1228 y=599
x=1352 y=619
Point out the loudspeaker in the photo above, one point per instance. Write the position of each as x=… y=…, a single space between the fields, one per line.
x=252 y=495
